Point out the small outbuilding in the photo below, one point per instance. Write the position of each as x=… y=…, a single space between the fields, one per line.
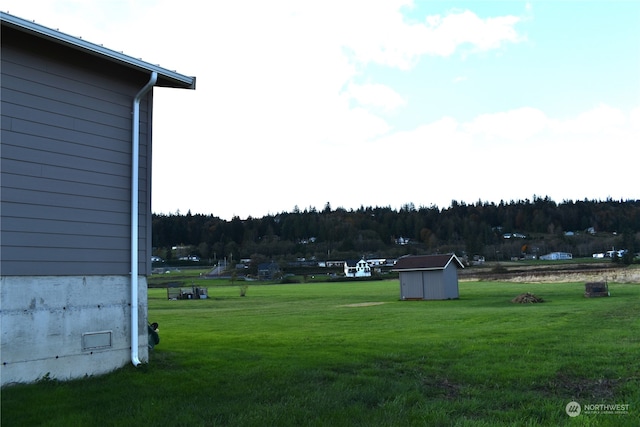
x=428 y=277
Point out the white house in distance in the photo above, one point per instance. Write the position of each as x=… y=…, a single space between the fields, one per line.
x=354 y=268
x=428 y=277
x=75 y=211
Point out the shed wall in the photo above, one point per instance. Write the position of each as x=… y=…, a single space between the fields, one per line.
x=429 y=285
x=411 y=285
x=66 y=162
x=433 y=282
x=450 y=281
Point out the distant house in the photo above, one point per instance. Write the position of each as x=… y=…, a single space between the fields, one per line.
x=75 y=211
x=355 y=268
x=333 y=264
x=268 y=270
x=377 y=262
x=556 y=256
x=428 y=277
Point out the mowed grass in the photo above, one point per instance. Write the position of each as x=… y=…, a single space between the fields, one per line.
x=352 y=354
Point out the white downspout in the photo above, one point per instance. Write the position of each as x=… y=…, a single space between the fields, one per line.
x=135 y=150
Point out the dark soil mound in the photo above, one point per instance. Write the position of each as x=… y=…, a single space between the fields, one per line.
x=527 y=298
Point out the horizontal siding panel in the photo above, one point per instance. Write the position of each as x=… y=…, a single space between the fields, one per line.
x=66 y=214
x=38 y=211
x=30 y=114
x=27 y=225
x=115 y=141
x=62 y=268
x=72 y=95
x=21 y=169
x=103 y=82
x=58 y=127
x=48 y=78
x=34 y=254
x=104 y=159
x=39 y=198
x=66 y=185
x=56 y=115
x=66 y=160
x=63 y=241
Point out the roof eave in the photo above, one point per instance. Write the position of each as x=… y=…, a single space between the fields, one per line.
x=419 y=269
x=166 y=78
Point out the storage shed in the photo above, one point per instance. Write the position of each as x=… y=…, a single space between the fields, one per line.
x=75 y=213
x=428 y=277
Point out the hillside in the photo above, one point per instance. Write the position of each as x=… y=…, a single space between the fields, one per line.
x=497 y=232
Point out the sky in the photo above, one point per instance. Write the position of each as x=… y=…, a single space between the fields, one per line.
x=378 y=103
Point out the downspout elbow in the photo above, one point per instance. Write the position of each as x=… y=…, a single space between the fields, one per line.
x=135 y=150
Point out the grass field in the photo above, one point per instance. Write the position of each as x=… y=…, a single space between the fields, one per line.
x=352 y=354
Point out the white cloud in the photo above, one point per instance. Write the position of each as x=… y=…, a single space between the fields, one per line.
x=443 y=35
x=634 y=118
x=599 y=119
x=281 y=107
x=376 y=95
x=379 y=32
x=515 y=125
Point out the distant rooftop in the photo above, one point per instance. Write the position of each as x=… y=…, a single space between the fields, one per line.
x=426 y=262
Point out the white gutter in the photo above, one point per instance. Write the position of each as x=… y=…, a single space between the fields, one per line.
x=135 y=150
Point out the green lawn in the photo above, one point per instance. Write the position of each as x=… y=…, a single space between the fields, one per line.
x=316 y=355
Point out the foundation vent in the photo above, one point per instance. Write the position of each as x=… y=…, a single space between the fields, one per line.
x=96 y=340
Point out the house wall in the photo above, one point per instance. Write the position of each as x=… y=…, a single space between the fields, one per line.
x=65 y=210
x=59 y=326
x=66 y=162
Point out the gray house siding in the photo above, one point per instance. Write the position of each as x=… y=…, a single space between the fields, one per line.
x=70 y=307
x=66 y=162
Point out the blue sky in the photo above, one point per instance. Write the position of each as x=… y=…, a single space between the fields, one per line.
x=379 y=103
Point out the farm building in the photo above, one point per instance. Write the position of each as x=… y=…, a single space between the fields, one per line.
x=556 y=256
x=355 y=268
x=76 y=203
x=428 y=277
x=268 y=270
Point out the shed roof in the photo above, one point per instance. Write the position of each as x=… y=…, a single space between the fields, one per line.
x=426 y=262
x=166 y=78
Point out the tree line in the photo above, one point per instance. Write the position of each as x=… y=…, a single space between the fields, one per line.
x=494 y=231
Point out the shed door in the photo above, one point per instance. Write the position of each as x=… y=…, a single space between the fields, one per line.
x=411 y=286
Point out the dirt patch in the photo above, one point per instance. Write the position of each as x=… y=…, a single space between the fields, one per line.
x=527 y=298
x=597 y=389
x=441 y=387
x=362 y=304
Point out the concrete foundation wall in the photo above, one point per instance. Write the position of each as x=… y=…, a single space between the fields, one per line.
x=67 y=327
